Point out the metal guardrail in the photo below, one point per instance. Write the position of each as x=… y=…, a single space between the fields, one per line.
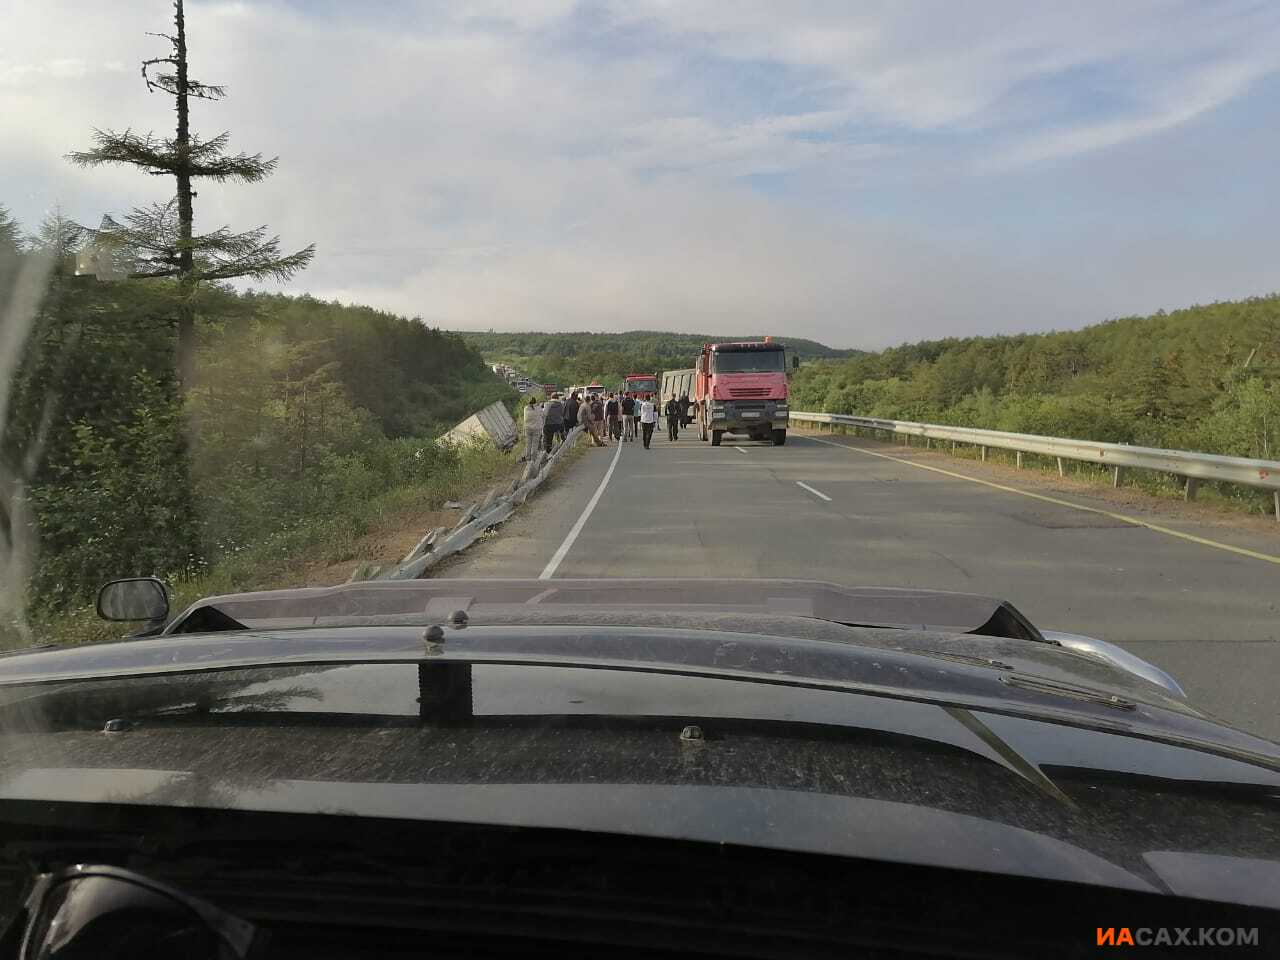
x=1195 y=467
x=439 y=544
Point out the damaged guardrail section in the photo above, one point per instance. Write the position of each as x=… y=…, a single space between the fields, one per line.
x=1194 y=467
x=438 y=544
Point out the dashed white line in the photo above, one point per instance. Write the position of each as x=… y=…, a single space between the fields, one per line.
x=562 y=551
x=740 y=449
x=1124 y=517
x=816 y=493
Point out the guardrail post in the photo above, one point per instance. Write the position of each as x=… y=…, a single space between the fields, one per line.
x=1189 y=492
x=1115 y=476
x=1275 y=495
x=1062 y=470
x=1019 y=459
x=984 y=454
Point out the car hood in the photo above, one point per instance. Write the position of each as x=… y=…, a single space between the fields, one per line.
x=920 y=746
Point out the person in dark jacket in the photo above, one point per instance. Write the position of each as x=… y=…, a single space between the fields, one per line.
x=571 y=412
x=628 y=407
x=613 y=416
x=686 y=410
x=595 y=410
x=673 y=411
x=553 y=420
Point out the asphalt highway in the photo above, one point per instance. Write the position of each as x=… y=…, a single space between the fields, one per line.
x=1199 y=601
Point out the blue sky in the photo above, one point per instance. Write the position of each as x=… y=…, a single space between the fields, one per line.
x=860 y=173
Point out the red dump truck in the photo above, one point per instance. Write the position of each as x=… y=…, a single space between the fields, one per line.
x=742 y=388
x=640 y=386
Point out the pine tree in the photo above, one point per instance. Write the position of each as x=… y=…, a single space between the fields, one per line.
x=10 y=232
x=159 y=241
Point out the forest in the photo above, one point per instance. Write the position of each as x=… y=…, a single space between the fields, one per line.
x=573 y=358
x=300 y=415
x=1204 y=378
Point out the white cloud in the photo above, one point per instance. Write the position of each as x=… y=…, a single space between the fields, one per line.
x=551 y=164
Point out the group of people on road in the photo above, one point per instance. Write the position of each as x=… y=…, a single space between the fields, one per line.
x=605 y=418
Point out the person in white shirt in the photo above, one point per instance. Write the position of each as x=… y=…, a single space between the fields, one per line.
x=532 y=429
x=648 y=419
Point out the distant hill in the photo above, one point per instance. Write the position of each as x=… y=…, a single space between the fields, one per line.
x=649 y=343
x=568 y=358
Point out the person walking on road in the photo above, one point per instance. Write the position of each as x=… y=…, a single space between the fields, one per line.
x=595 y=421
x=553 y=420
x=598 y=421
x=571 y=412
x=532 y=429
x=628 y=405
x=648 y=420
x=673 y=411
x=613 y=416
x=686 y=410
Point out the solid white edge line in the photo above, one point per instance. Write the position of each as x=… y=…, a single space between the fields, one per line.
x=816 y=493
x=563 y=550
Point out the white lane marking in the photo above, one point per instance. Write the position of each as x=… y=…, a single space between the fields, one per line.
x=562 y=551
x=816 y=493
x=740 y=449
x=1126 y=518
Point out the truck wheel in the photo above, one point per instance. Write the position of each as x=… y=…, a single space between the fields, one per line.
x=715 y=437
x=779 y=437
x=702 y=429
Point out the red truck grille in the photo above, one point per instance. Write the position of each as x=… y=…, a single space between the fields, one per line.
x=748 y=391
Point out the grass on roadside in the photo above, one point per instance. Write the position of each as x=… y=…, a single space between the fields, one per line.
x=270 y=563
x=1166 y=486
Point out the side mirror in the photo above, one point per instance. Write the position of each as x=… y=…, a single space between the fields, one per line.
x=133 y=598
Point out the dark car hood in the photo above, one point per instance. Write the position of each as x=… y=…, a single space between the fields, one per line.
x=428 y=600
x=916 y=746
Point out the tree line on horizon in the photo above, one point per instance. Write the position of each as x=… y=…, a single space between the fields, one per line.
x=566 y=359
x=1205 y=378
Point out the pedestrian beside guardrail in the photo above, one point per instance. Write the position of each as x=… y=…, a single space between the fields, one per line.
x=1193 y=467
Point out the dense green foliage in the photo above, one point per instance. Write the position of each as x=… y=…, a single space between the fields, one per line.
x=569 y=358
x=301 y=412
x=1205 y=378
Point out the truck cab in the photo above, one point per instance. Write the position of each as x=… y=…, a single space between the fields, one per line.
x=742 y=388
x=640 y=386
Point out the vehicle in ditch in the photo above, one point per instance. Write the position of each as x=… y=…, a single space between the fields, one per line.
x=741 y=388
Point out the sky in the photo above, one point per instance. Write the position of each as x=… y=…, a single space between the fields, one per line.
x=861 y=173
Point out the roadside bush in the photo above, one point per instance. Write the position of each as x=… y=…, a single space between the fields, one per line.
x=118 y=503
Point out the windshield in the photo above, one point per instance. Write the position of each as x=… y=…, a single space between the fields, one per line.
x=972 y=300
x=748 y=361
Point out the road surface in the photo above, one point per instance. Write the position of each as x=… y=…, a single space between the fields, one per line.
x=840 y=509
